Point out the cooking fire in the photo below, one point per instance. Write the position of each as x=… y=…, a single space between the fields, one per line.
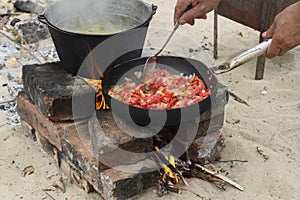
x=46 y=108
x=172 y=172
x=99 y=98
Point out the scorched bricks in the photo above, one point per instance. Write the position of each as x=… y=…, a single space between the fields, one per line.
x=76 y=159
x=52 y=88
x=30 y=113
x=87 y=145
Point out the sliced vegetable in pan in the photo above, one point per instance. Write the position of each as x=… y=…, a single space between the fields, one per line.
x=161 y=90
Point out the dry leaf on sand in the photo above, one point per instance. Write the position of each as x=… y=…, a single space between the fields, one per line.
x=28 y=170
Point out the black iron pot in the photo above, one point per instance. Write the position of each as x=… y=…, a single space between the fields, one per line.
x=68 y=20
x=142 y=116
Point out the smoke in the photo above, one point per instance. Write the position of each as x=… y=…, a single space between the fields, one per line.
x=71 y=14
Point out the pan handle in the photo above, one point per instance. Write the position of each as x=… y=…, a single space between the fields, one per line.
x=244 y=57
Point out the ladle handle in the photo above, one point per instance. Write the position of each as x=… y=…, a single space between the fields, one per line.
x=172 y=33
x=242 y=58
x=248 y=55
x=170 y=36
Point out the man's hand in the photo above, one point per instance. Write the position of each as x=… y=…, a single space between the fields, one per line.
x=285 y=31
x=198 y=11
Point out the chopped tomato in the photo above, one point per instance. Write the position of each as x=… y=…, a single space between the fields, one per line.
x=161 y=90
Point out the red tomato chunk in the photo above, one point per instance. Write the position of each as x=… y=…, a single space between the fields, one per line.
x=161 y=90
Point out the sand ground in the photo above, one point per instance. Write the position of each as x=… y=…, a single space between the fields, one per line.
x=271 y=124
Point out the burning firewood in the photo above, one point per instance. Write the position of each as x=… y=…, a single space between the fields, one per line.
x=97 y=86
x=172 y=172
x=168 y=168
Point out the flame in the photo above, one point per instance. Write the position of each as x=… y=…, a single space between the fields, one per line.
x=95 y=81
x=97 y=86
x=168 y=176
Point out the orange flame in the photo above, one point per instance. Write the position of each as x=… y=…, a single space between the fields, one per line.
x=97 y=86
x=168 y=175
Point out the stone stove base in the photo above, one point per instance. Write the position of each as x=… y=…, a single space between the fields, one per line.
x=40 y=108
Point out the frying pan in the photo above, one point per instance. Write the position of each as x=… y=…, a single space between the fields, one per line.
x=143 y=117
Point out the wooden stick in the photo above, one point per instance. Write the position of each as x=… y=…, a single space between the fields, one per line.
x=238 y=99
x=1 y=125
x=266 y=157
x=7 y=101
x=51 y=197
x=173 y=189
x=215 y=34
x=224 y=178
x=231 y=161
x=11 y=13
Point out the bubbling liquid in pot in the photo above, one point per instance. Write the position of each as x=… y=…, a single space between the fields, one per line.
x=103 y=25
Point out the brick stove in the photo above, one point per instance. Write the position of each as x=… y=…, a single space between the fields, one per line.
x=77 y=144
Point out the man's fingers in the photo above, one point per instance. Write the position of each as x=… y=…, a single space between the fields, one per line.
x=192 y=22
x=203 y=17
x=282 y=51
x=182 y=21
x=275 y=50
x=180 y=7
x=177 y=14
x=272 y=52
x=269 y=33
x=190 y=15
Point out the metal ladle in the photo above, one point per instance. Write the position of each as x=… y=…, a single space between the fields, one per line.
x=151 y=61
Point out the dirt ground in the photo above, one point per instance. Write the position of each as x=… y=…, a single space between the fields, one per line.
x=266 y=133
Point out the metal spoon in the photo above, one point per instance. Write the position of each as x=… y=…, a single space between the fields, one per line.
x=151 y=61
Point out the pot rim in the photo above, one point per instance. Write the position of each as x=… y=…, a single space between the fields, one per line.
x=42 y=18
